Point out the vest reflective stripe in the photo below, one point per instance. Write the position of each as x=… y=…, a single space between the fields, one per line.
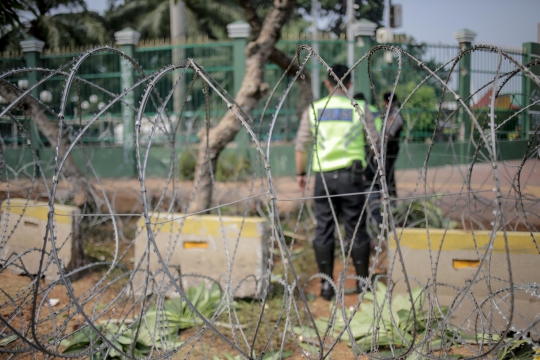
x=340 y=134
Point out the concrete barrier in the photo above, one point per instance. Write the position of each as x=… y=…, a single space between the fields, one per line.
x=458 y=261
x=22 y=230
x=203 y=245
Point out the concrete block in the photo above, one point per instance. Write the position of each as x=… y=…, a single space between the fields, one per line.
x=457 y=263
x=204 y=245
x=22 y=230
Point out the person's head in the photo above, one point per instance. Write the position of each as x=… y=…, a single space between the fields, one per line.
x=387 y=97
x=340 y=71
x=359 y=96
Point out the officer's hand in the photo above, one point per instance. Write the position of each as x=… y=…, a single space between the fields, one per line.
x=301 y=181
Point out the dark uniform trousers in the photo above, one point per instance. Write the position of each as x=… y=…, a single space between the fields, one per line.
x=374 y=196
x=392 y=152
x=348 y=208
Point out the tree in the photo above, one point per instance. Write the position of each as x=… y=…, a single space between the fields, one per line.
x=335 y=12
x=8 y=11
x=210 y=18
x=151 y=17
x=57 y=22
x=261 y=49
x=420 y=110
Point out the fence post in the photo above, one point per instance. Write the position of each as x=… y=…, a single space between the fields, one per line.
x=239 y=32
x=32 y=48
x=531 y=91
x=128 y=39
x=464 y=37
x=363 y=31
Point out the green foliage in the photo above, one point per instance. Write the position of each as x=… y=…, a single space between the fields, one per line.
x=159 y=326
x=176 y=314
x=420 y=110
x=386 y=324
x=59 y=23
x=120 y=335
x=400 y=311
x=152 y=17
x=231 y=166
x=507 y=131
x=335 y=11
x=517 y=349
x=420 y=209
x=8 y=11
x=269 y=356
x=187 y=164
x=97 y=253
x=8 y=340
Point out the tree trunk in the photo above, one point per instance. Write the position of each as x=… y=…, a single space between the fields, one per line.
x=49 y=129
x=253 y=88
x=279 y=58
x=78 y=256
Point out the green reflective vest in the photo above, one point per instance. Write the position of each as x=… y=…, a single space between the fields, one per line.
x=377 y=117
x=340 y=134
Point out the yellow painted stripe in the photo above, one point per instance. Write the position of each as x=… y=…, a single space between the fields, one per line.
x=453 y=240
x=205 y=225
x=454 y=187
x=195 y=245
x=465 y=264
x=38 y=210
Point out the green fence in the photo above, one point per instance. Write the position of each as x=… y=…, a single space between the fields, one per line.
x=104 y=70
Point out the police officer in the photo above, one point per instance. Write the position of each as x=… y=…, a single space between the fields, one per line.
x=334 y=126
x=394 y=126
x=371 y=172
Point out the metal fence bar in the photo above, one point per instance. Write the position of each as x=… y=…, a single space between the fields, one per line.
x=104 y=69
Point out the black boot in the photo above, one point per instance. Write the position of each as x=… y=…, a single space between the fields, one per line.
x=360 y=256
x=325 y=261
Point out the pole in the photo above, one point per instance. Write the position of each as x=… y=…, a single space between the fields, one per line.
x=239 y=32
x=350 y=40
x=178 y=35
x=465 y=38
x=388 y=11
x=128 y=40
x=315 y=79
x=32 y=48
x=364 y=30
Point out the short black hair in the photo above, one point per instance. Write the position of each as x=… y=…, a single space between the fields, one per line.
x=388 y=95
x=340 y=70
x=359 y=96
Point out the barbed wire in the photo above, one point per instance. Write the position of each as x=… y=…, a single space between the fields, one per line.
x=116 y=306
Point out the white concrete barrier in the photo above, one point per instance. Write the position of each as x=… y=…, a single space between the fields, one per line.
x=458 y=261
x=223 y=248
x=22 y=231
